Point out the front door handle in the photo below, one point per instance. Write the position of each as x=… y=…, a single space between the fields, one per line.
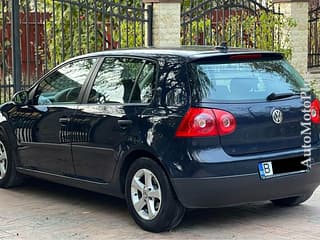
x=124 y=123
x=64 y=120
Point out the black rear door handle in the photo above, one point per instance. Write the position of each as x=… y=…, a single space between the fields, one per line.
x=124 y=123
x=64 y=120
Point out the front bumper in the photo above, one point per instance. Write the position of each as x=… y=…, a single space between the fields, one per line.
x=237 y=189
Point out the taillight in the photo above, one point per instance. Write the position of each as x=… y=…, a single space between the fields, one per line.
x=205 y=122
x=315 y=111
x=225 y=121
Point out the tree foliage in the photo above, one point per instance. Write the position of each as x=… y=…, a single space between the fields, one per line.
x=267 y=30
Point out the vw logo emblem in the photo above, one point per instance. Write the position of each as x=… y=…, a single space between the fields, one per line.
x=277 y=116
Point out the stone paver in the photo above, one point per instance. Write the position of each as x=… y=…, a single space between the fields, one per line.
x=46 y=211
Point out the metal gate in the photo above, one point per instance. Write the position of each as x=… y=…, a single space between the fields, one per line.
x=314 y=34
x=36 y=35
x=241 y=23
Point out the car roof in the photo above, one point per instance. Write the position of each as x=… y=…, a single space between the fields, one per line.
x=192 y=52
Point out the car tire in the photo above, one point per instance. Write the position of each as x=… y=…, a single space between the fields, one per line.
x=9 y=177
x=291 y=201
x=150 y=198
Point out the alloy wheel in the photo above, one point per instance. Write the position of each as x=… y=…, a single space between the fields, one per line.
x=146 y=194
x=3 y=161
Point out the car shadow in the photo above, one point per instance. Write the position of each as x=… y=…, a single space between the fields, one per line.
x=194 y=219
x=250 y=214
x=70 y=195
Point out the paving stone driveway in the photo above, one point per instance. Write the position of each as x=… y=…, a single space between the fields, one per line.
x=41 y=211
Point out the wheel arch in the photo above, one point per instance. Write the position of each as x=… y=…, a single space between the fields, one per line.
x=5 y=128
x=130 y=159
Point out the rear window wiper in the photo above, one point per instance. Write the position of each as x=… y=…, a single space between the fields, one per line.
x=275 y=96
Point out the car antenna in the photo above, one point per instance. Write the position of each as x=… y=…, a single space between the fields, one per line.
x=223 y=46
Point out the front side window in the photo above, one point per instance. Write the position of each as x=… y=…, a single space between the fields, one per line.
x=233 y=81
x=64 y=84
x=123 y=80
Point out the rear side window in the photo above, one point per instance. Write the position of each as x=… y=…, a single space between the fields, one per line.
x=254 y=80
x=123 y=80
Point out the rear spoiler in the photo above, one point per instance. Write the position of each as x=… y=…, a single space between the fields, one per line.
x=237 y=57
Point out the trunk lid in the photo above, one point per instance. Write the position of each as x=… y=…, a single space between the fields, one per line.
x=256 y=130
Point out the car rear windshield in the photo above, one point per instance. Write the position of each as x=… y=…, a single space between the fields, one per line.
x=247 y=81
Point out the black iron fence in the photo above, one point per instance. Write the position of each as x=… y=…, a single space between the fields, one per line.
x=36 y=35
x=314 y=35
x=241 y=23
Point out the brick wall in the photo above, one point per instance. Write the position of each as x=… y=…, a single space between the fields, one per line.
x=167 y=32
x=166 y=22
x=298 y=10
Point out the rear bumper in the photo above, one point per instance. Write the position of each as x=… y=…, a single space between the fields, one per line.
x=237 y=189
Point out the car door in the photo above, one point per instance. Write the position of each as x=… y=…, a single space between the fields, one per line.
x=109 y=121
x=43 y=126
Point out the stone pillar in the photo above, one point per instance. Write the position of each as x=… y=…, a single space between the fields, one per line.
x=166 y=22
x=299 y=35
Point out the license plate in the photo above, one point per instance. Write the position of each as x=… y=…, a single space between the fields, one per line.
x=266 y=169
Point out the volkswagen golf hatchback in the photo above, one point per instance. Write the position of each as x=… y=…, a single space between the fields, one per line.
x=168 y=130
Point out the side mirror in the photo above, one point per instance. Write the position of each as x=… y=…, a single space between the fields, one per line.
x=21 y=97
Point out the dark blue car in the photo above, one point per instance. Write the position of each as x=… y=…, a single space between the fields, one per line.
x=168 y=130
